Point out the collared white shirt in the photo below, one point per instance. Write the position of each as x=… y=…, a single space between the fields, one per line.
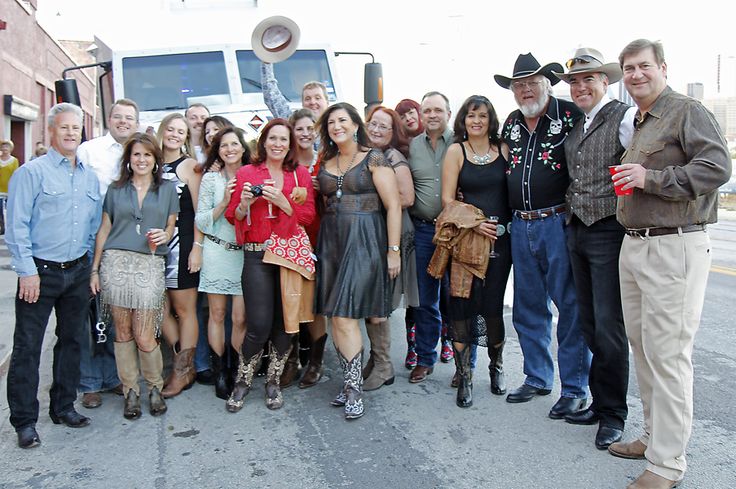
x=102 y=155
x=625 y=129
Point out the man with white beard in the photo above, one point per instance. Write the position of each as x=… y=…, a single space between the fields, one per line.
x=537 y=180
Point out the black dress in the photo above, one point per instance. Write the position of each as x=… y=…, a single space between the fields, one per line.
x=479 y=319
x=177 y=262
x=352 y=270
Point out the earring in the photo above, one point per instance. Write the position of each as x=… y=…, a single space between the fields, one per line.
x=465 y=135
x=355 y=136
x=130 y=170
x=331 y=142
x=155 y=167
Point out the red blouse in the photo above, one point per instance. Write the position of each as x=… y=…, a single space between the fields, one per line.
x=261 y=227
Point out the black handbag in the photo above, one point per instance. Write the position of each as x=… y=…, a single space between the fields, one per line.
x=98 y=328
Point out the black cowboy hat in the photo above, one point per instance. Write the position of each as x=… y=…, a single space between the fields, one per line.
x=527 y=65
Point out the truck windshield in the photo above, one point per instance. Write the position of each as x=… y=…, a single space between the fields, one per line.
x=302 y=67
x=167 y=82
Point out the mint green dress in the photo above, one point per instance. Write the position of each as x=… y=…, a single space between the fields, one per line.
x=221 y=267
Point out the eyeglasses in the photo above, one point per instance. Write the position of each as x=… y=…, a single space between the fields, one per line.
x=375 y=126
x=584 y=59
x=523 y=85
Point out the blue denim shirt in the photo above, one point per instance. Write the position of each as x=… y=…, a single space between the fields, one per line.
x=53 y=212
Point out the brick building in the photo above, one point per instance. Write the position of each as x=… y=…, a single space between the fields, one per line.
x=30 y=61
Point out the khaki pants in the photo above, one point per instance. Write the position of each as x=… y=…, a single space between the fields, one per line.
x=663 y=283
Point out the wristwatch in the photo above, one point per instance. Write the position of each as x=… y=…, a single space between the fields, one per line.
x=396 y=248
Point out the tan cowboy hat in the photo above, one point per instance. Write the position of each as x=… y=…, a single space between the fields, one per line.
x=589 y=60
x=275 y=39
x=527 y=65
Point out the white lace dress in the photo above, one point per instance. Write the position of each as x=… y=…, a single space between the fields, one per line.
x=221 y=267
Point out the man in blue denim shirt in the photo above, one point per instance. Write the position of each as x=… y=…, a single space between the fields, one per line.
x=54 y=210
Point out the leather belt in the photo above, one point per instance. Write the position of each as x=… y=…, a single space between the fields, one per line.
x=540 y=213
x=254 y=246
x=651 y=232
x=62 y=265
x=225 y=244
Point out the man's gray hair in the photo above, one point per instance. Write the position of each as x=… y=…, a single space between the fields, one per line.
x=439 y=94
x=64 y=107
x=547 y=86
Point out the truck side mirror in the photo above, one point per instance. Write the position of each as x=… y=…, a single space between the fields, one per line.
x=373 y=85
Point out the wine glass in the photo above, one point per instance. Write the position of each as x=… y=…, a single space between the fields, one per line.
x=270 y=183
x=151 y=243
x=494 y=220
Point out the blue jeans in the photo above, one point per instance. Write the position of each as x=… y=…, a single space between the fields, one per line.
x=97 y=368
x=67 y=292
x=202 y=352
x=427 y=315
x=542 y=271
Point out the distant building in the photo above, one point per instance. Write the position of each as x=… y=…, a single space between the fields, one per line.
x=30 y=63
x=724 y=109
x=695 y=90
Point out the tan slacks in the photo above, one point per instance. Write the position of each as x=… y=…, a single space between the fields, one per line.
x=663 y=283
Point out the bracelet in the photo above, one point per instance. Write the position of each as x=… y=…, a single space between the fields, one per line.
x=94 y=272
x=199 y=244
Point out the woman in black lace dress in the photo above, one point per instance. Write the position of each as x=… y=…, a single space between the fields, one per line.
x=358 y=243
x=476 y=166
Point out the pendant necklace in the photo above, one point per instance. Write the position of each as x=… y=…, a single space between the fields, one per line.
x=480 y=160
x=341 y=175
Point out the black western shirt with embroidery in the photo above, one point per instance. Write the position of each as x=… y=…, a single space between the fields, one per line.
x=537 y=175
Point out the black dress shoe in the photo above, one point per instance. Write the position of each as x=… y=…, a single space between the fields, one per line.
x=586 y=416
x=525 y=393
x=565 y=406
x=607 y=435
x=27 y=437
x=70 y=418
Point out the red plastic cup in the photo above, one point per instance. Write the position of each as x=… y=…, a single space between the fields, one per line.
x=619 y=188
x=151 y=243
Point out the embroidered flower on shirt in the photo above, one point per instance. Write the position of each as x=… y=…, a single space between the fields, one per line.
x=546 y=157
x=514 y=159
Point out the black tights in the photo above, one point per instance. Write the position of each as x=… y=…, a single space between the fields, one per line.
x=262 y=295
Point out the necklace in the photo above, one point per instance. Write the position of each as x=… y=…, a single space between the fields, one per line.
x=480 y=160
x=341 y=176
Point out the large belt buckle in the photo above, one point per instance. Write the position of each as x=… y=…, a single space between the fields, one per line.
x=636 y=233
x=230 y=246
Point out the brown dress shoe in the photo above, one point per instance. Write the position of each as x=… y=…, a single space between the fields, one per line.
x=117 y=390
x=650 y=480
x=419 y=374
x=91 y=400
x=632 y=450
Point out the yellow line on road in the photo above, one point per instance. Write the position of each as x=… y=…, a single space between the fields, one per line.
x=724 y=270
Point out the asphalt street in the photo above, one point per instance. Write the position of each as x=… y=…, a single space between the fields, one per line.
x=412 y=436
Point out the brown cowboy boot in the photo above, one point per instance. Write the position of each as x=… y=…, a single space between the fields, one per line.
x=314 y=368
x=382 y=372
x=151 y=366
x=182 y=376
x=291 y=370
x=243 y=381
x=274 y=397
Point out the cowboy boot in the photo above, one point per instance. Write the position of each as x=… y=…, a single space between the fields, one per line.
x=383 y=370
x=274 y=397
x=495 y=367
x=465 y=386
x=304 y=344
x=220 y=372
x=314 y=368
x=246 y=371
x=291 y=370
x=182 y=376
x=262 y=367
x=151 y=366
x=354 y=387
x=340 y=398
x=411 y=340
x=126 y=361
